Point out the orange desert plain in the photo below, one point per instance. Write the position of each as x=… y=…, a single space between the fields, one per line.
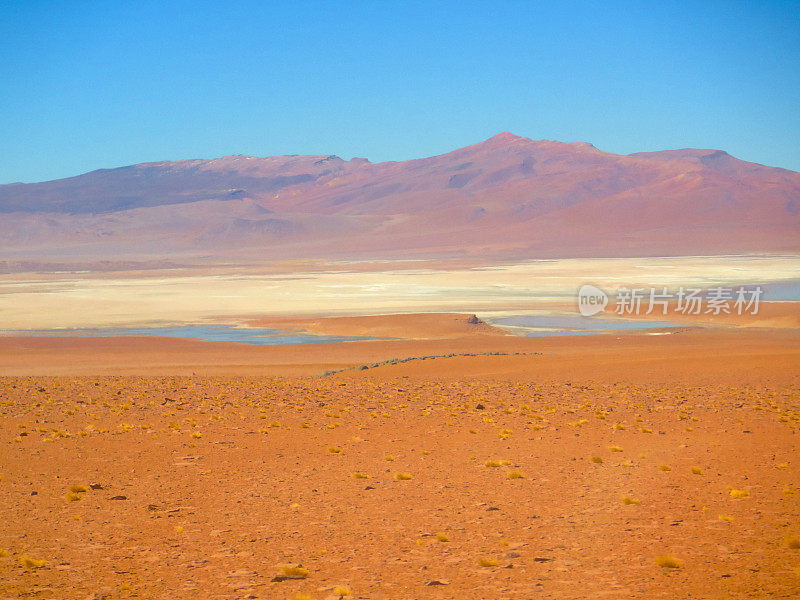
x=606 y=466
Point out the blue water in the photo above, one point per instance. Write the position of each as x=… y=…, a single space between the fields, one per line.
x=784 y=291
x=552 y=325
x=209 y=333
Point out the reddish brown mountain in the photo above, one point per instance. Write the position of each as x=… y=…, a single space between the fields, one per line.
x=508 y=196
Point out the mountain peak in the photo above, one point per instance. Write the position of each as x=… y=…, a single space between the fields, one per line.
x=505 y=137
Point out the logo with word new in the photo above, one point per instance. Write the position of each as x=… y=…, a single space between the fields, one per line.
x=591 y=300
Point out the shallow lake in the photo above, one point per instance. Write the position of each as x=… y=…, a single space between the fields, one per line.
x=208 y=333
x=551 y=325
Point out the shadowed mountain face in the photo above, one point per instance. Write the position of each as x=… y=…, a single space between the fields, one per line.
x=508 y=196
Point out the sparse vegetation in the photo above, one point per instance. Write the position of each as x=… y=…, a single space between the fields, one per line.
x=668 y=562
x=32 y=563
x=342 y=591
x=294 y=572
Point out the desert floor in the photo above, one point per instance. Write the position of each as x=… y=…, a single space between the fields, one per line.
x=571 y=467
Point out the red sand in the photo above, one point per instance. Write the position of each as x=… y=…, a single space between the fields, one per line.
x=226 y=476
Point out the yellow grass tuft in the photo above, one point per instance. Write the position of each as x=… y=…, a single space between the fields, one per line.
x=442 y=537
x=619 y=426
x=793 y=543
x=697 y=471
x=32 y=563
x=359 y=475
x=726 y=518
x=389 y=457
x=342 y=591
x=514 y=475
x=78 y=489
x=492 y=463
x=668 y=562
x=402 y=476
x=739 y=493
x=665 y=467
x=628 y=500
x=334 y=450
x=292 y=572
x=178 y=529
x=615 y=448
x=197 y=435
x=487 y=562
x=597 y=460
x=4 y=553
x=72 y=497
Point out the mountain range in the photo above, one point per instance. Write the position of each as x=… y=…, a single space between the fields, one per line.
x=508 y=196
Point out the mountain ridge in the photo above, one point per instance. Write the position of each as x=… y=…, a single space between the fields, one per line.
x=506 y=194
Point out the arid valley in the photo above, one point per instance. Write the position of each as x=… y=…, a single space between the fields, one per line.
x=433 y=454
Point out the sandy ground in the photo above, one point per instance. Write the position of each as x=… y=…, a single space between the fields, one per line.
x=404 y=326
x=562 y=468
x=691 y=354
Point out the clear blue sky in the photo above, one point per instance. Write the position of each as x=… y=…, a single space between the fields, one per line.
x=86 y=85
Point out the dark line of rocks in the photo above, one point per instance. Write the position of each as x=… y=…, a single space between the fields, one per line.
x=397 y=361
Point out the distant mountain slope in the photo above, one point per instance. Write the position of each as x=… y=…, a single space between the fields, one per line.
x=505 y=196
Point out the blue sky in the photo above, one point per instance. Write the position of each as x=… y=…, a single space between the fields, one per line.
x=86 y=85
